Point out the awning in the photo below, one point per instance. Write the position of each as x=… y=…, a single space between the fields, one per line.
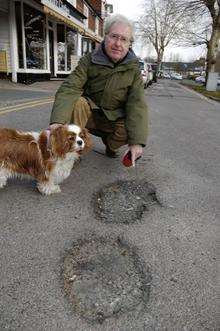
x=92 y=37
x=64 y=19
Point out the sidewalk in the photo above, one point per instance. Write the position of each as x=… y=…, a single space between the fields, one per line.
x=201 y=90
x=44 y=86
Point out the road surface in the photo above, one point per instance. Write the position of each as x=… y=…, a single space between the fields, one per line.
x=176 y=240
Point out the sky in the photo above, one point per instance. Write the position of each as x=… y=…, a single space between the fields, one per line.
x=133 y=10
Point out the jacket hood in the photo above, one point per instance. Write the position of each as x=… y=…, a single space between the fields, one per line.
x=99 y=57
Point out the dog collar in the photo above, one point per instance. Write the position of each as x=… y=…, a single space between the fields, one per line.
x=47 y=132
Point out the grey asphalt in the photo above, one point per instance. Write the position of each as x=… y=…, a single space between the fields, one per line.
x=177 y=241
x=7 y=98
x=12 y=94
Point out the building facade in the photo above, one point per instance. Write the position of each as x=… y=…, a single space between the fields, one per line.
x=40 y=39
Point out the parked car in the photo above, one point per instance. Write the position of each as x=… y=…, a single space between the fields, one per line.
x=146 y=72
x=176 y=75
x=166 y=75
x=200 y=79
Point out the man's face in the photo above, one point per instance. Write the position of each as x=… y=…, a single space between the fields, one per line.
x=117 y=41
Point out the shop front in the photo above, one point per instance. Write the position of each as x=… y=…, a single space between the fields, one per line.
x=45 y=46
x=40 y=39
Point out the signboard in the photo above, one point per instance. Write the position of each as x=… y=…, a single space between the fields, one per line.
x=3 y=61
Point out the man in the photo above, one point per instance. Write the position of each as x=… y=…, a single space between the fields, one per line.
x=105 y=92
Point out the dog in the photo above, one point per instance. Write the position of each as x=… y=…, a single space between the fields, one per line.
x=47 y=156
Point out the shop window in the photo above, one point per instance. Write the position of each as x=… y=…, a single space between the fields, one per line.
x=61 y=47
x=87 y=46
x=71 y=40
x=35 y=38
x=66 y=46
x=19 y=34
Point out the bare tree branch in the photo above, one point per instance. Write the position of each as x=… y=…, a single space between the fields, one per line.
x=161 y=24
x=182 y=22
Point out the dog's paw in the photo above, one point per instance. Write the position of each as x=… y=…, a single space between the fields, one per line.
x=48 y=189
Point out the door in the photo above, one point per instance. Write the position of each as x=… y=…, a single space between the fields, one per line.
x=51 y=42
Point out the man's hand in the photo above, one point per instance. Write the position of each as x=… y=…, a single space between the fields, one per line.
x=136 y=152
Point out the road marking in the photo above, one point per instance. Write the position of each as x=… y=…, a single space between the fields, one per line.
x=31 y=104
x=26 y=103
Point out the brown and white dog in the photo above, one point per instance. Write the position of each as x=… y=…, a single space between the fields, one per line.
x=47 y=156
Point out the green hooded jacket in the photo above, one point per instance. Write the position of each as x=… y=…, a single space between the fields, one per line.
x=117 y=89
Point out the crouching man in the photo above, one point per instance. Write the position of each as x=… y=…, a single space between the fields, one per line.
x=105 y=92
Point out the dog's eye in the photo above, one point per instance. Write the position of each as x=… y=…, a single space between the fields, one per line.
x=72 y=137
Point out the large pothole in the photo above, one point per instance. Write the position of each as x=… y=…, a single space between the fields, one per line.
x=104 y=277
x=125 y=201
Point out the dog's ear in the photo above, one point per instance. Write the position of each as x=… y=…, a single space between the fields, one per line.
x=59 y=141
x=85 y=135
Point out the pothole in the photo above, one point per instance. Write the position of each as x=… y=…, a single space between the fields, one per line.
x=125 y=201
x=104 y=277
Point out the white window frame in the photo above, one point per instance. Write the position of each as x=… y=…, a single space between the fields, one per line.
x=25 y=69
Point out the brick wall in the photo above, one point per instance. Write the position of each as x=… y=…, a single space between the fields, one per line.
x=96 y=5
x=91 y=24
x=80 y=6
x=100 y=28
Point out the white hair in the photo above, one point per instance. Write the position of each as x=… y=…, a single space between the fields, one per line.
x=118 y=18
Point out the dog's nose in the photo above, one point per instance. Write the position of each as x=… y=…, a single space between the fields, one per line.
x=79 y=142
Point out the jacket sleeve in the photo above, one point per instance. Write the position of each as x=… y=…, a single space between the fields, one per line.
x=136 y=121
x=69 y=92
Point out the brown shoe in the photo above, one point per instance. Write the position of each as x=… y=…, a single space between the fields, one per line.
x=110 y=153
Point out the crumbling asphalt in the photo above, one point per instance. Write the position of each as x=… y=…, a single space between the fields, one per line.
x=172 y=247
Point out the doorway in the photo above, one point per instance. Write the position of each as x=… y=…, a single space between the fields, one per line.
x=51 y=51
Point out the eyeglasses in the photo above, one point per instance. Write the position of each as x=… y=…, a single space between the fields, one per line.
x=115 y=37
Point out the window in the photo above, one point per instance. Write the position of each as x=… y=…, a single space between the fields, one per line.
x=50 y=24
x=87 y=45
x=61 y=47
x=66 y=46
x=71 y=40
x=35 y=38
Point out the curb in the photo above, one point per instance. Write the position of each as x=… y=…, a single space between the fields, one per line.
x=211 y=100
x=214 y=98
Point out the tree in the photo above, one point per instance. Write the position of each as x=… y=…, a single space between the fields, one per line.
x=161 y=24
x=207 y=15
x=200 y=63
x=183 y=22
